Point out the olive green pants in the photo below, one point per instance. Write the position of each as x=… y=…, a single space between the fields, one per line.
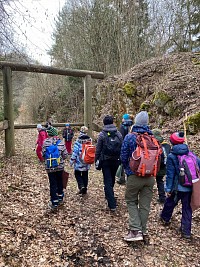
x=138 y=196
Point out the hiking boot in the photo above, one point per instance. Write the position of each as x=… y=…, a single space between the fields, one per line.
x=133 y=235
x=183 y=235
x=113 y=210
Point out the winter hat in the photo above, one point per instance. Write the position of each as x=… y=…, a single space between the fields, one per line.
x=177 y=138
x=52 y=131
x=142 y=119
x=158 y=135
x=39 y=126
x=126 y=117
x=84 y=129
x=67 y=124
x=108 y=120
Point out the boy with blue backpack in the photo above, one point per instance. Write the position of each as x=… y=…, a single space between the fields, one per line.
x=54 y=152
x=182 y=172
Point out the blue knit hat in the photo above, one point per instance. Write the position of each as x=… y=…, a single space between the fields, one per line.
x=126 y=117
x=142 y=119
x=67 y=124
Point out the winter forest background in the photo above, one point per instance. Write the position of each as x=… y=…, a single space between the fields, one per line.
x=110 y=36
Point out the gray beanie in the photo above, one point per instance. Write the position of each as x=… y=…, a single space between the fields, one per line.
x=142 y=119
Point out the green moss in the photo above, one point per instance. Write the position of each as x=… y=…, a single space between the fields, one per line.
x=144 y=106
x=130 y=89
x=193 y=123
x=161 y=98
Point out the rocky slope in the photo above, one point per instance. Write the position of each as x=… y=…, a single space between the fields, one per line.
x=167 y=87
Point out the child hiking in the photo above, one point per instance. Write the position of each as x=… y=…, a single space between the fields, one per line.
x=124 y=130
x=42 y=135
x=176 y=189
x=160 y=175
x=80 y=167
x=68 y=135
x=54 y=152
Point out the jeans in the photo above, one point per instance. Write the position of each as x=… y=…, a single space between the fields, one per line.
x=109 y=168
x=138 y=196
x=169 y=206
x=56 y=185
x=82 y=179
x=160 y=186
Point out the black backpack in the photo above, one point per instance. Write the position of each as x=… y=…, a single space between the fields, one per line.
x=112 y=145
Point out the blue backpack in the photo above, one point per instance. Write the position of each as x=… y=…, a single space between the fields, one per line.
x=52 y=155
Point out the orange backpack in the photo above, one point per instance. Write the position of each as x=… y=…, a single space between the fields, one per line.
x=88 y=153
x=145 y=160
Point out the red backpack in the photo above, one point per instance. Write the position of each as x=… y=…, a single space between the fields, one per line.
x=88 y=153
x=145 y=160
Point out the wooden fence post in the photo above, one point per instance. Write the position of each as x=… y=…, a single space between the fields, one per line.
x=88 y=103
x=8 y=111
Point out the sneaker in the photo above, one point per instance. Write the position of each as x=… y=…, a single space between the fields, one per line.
x=183 y=235
x=134 y=235
x=52 y=206
x=60 y=199
x=113 y=210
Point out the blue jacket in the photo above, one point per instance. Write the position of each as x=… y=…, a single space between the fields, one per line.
x=172 y=178
x=79 y=165
x=129 y=145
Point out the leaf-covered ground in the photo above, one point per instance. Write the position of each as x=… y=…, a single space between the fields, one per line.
x=83 y=232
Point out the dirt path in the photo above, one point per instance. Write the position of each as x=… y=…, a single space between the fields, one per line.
x=82 y=232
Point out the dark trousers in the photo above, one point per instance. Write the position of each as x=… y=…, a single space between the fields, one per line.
x=56 y=185
x=170 y=204
x=160 y=186
x=109 y=168
x=82 y=179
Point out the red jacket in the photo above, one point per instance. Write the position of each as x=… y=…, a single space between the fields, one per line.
x=42 y=135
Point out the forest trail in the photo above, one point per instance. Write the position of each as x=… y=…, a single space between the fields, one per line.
x=83 y=232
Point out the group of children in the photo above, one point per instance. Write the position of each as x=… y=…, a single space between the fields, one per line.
x=112 y=149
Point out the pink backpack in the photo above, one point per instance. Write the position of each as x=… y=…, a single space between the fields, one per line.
x=189 y=169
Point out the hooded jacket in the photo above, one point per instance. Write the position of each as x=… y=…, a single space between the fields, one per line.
x=125 y=127
x=79 y=165
x=129 y=145
x=102 y=139
x=172 y=178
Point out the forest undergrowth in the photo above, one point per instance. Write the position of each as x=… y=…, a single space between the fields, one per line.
x=83 y=232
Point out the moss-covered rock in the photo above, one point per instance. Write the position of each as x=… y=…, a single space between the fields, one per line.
x=169 y=108
x=144 y=106
x=161 y=98
x=193 y=123
x=130 y=89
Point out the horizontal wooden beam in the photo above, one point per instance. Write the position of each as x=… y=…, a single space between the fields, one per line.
x=51 y=70
x=3 y=125
x=29 y=126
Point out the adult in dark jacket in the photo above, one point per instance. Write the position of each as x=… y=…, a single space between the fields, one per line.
x=124 y=130
x=175 y=191
x=160 y=175
x=139 y=190
x=110 y=163
x=68 y=135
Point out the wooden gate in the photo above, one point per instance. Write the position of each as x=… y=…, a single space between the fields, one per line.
x=8 y=123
